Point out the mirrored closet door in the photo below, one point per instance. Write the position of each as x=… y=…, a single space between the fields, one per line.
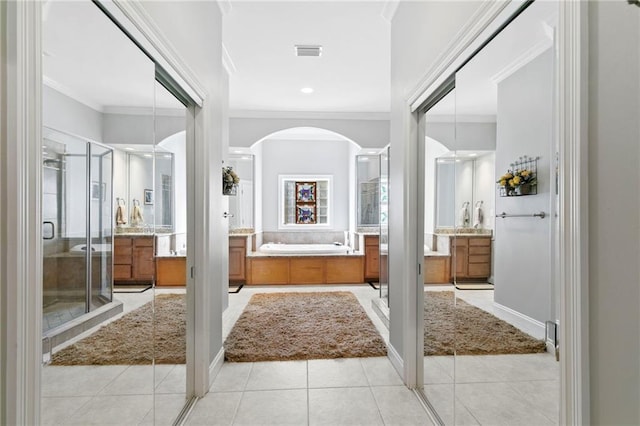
x=114 y=201
x=489 y=232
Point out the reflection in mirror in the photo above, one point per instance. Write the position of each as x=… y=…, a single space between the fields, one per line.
x=241 y=205
x=104 y=127
x=368 y=190
x=501 y=308
x=384 y=198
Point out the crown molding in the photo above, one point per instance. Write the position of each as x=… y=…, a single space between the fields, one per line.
x=522 y=60
x=70 y=93
x=137 y=21
x=132 y=110
x=389 y=9
x=310 y=115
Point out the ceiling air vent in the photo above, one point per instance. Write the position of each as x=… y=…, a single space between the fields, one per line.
x=308 y=50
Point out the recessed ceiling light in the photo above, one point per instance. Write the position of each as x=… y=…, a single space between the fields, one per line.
x=148 y=155
x=129 y=149
x=372 y=152
x=306 y=90
x=167 y=156
x=473 y=155
x=246 y=158
x=237 y=151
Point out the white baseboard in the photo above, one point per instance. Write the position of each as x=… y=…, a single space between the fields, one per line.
x=215 y=366
x=527 y=324
x=396 y=360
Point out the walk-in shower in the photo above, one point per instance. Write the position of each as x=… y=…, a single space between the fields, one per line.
x=77 y=229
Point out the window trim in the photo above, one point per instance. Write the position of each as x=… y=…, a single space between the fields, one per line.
x=304 y=178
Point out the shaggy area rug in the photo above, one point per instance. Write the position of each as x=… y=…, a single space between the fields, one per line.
x=300 y=326
x=128 y=340
x=469 y=330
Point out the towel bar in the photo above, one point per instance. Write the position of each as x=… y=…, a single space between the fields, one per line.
x=541 y=215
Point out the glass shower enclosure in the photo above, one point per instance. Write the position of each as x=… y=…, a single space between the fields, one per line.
x=77 y=229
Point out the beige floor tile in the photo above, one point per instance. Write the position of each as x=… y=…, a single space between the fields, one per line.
x=279 y=407
x=232 y=377
x=278 y=375
x=81 y=380
x=113 y=410
x=343 y=406
x=215 y=409
x=166 y=409
x=56 y=411
x=331 y=373
x=380 y=372
x=400 y=406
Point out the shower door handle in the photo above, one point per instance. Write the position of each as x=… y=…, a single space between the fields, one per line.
x=225 y=214
x=52 y=234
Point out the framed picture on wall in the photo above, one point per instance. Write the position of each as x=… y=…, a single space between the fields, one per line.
x=306 y=213
x=306 y=192
x=98 y=191
x=148 y=196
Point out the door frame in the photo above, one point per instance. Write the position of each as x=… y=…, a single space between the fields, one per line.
x=572 y=137
x=20 y=206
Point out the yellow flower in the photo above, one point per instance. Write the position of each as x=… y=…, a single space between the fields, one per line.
x=525 y=173
x=503 y=182
x=510 y=182
x=517 y=180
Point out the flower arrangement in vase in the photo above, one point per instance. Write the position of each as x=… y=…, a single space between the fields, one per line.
x=230 y=181
x=518 y=182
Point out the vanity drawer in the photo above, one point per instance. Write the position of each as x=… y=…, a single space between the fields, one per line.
x=479 y=250
x=121 y=272
x=479 y=269
x=482 y=258
x=460 y=242
x=122 y=242
x=480 y=242
x=122 y=255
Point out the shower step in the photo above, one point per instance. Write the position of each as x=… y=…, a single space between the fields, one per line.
x=67 y=331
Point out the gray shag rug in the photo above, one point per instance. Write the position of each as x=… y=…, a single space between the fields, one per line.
x=301 y=326
x=469 y=330
x=128 y=340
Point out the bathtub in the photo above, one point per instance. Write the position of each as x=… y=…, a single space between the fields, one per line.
x=294 y=249
x=95 y=248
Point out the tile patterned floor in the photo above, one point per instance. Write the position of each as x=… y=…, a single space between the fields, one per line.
x=490 y=390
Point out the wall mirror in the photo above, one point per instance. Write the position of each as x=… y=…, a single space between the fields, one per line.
x=241 y=205
x=464 y=181
x=368 y=190
x=490 y=285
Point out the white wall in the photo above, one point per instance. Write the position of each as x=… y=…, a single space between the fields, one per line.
x=463 y=135
x=62 y=113
x=306 y=158
x=419 y=32
x=522 y=262
x=366 y=133
x=614 y=213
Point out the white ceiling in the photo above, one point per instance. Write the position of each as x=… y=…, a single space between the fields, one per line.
x=89 y=59
x=352 y=75
x=476 y=97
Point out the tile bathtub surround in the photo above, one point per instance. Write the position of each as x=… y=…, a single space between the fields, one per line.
x=303 y=237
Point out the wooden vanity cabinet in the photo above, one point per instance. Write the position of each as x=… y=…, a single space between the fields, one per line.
x=371 y=257
x=237 y=258
x=133 y=259
x=472 y=257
